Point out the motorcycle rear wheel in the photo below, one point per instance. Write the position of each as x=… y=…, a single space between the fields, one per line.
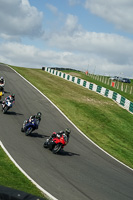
x=57 y=148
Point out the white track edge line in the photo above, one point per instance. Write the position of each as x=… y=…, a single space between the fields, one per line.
x=48 y=195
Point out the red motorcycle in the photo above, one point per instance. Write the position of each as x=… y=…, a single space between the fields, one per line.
x=56 y=144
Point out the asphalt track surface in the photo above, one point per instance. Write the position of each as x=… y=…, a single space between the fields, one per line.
x=81 y=172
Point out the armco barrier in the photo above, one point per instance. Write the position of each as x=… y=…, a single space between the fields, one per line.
x=125 y=103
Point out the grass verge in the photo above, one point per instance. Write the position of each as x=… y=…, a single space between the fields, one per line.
x=11 y=177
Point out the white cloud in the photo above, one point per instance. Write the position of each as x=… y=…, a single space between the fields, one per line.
x=74 y=2
x=72 y=46
x=73 y=38
x=109 y=52
x=29 y=56
x=7 y=37
x=18 y=18
x=119 y=12
x=71 y=24
x=70 y=28
x=53 y=9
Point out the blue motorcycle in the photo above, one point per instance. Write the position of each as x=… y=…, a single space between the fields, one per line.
x=29 y=126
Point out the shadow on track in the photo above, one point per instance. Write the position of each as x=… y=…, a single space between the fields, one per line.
x=37 y=135
x=5 y=92
x=12 y=113
x=67 y=153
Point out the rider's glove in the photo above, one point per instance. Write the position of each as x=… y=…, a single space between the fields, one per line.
x=58 y=135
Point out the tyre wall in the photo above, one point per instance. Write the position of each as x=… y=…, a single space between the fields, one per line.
x=122 y=101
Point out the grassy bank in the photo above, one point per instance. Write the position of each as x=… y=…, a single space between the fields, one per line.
x=11 y=177
x=102 y=120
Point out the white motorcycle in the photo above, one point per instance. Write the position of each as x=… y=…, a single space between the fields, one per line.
x=6 y=105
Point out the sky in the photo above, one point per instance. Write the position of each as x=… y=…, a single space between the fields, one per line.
x=93 y=35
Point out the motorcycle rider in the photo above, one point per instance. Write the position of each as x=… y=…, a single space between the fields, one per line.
x=50 y=143
x=2 y=84
x=60 y=133
x=10 y=98
x=37 y=116
x=2 y=81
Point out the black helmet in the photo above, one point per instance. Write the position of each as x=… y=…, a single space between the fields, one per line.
x=68 y=131
x=39 y=114
x=13 y=96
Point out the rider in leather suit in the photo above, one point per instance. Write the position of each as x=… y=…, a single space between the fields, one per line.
x=37 y=116
x=59 y=134
x=2 y=84
x=10 y=98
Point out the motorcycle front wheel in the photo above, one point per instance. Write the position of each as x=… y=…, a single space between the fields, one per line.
x=45 y=145
x=57 y=148
x=28 y=131
x=22 y=130
x=5 y=109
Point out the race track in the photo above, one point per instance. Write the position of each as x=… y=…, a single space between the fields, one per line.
x=81 y=172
